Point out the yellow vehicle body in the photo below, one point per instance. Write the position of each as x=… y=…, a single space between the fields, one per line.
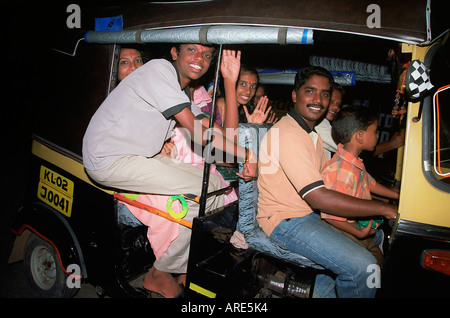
x=420 y=201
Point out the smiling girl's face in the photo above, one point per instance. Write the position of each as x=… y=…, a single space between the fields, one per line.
x=246 y=87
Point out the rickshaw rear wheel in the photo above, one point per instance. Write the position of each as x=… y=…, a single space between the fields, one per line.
x=43 y=272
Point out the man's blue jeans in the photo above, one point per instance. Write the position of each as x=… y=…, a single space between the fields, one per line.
x=317 y=241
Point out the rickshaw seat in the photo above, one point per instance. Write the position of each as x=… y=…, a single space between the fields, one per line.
x=250 y=136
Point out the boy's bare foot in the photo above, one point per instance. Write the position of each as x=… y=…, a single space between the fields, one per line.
x=161 y=282
x=182 y=279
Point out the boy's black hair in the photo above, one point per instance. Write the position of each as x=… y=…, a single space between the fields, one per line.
x=349 y=120
x=305 y=73
x=177 y=46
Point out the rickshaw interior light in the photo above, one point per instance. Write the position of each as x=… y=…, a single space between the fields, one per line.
x=437 y=260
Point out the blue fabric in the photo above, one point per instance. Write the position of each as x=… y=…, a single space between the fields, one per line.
x=250 y=136
x=124 y=216
x=109 y=23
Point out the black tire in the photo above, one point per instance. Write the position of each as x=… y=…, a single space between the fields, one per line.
x=43 y=272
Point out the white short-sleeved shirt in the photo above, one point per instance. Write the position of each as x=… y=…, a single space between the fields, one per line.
x=324 y=131
x=137 y=117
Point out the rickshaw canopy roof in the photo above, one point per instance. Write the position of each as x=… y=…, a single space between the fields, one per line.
x=404 y=21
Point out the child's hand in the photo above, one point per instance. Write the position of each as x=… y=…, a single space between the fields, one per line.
x=230 y=65
x=249 y=171
x=169 y=149
x=366 y=231
x=272 y=118
x=260 y=113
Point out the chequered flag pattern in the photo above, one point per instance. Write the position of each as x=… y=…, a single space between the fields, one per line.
x=419 y=81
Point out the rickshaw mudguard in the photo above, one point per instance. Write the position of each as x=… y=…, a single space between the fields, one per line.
x=404 y=272
x=47 y=224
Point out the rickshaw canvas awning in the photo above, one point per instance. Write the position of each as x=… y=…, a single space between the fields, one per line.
x=404 y=21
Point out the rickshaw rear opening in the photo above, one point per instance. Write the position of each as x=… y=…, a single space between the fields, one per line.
x=79 y=223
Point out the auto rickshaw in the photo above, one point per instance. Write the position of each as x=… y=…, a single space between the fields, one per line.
x=71 y=230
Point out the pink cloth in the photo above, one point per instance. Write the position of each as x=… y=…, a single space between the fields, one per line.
x=186 y=155
x=201 y=96
x=161 y=232
x=204 y=101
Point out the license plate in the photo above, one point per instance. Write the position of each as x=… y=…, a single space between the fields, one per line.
x=56 y=191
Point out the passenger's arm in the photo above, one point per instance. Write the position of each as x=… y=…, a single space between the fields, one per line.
x=197 y=131
x=348 y=228
x=230 y=66
x=336 y=203
x=380 y=189
x=397 y=140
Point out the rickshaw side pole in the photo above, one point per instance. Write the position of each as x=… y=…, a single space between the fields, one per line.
x=208 y=148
